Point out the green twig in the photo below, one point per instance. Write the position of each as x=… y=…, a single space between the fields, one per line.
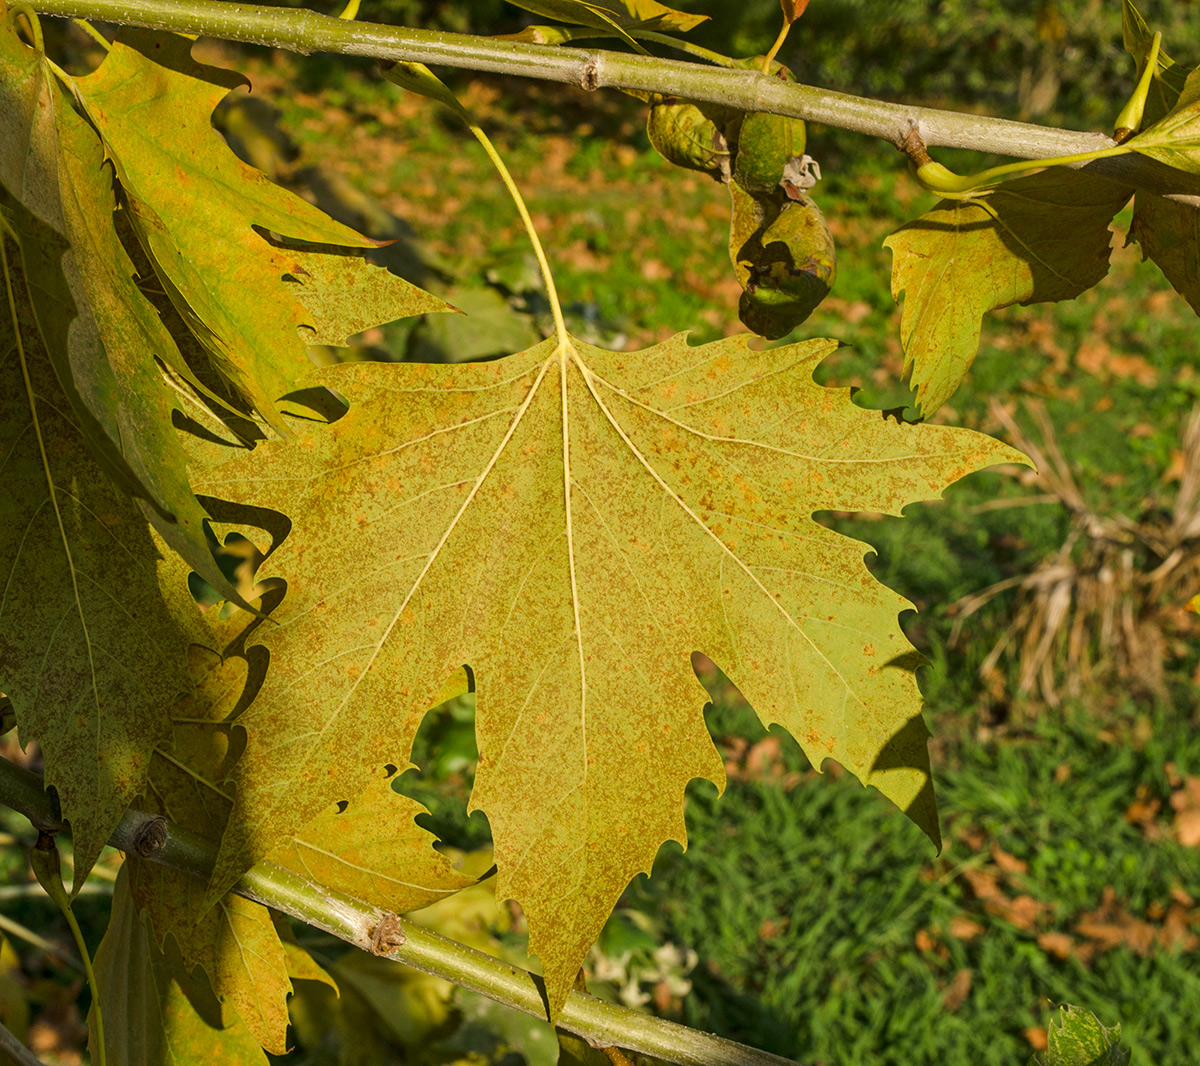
x=748 y=90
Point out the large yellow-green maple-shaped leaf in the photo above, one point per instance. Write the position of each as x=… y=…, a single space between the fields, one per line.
x=574 y=524
x=207 y=220
x=603 y=14
x=154 y=1014
x=1042 y=237
x=91 y=653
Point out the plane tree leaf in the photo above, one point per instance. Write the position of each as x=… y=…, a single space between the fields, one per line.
x=1167 y=231
x=234 y=251
x=604 y=14
x=373 y=850
x=91 y=652
x=1032 y=239
x=155 y=1014
x=574 y=524
x=235 y=943
x=1080 y=1039
x=1174 y=139
x=103 y=336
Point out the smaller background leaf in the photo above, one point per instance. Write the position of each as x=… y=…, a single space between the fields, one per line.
x=155 y=1014
x=1042 y=237
x=1080 y=1039
x=603 y=14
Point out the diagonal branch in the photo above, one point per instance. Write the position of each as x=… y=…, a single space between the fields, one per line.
x=600 y=1024
x=308 y=31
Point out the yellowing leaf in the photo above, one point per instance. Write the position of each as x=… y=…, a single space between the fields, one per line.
x=1042 y=237
x=235 y=943
x=603 y=14
x=222 y=237
x=373 y=851
x=154 y=1014
x=103 y=336
x=90 y=651
x=574 y=524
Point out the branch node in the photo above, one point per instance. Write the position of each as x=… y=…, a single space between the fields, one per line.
x=589 y=78
x=151 y=837
x=913 y=145
x=387 y=936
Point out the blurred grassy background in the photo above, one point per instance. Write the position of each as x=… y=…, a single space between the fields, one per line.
x=807 y=917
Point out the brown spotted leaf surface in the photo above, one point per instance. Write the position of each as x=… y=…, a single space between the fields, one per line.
x=573 y=524
x=373 y=850
x=103 y=336
x=1036 y=238
x=91 y=651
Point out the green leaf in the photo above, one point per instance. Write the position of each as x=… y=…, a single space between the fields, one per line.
x=154 y=1014
x=301 y=966
x=1169 y=233
x=1175 y=138
x=575 y=556
x=374 y=850
x=103 y=335
x=1036 y=238
x=227 y=243
x=91 y=652
x=235 y=943
x=1169 y=82
x=604 y=14
x=1080 y=1039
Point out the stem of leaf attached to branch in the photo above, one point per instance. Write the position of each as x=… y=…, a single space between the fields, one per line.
x=601 y=1024
x=420 y=79
x=307 y=31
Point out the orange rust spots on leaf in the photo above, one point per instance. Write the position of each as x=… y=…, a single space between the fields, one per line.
x=580 y=624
